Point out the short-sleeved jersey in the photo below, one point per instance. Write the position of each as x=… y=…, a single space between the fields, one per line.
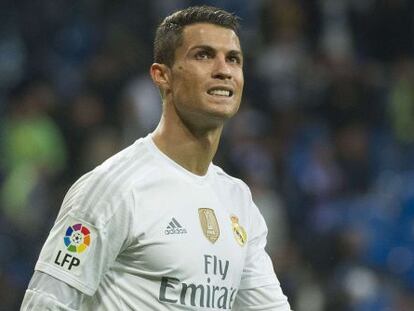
x=140 y=232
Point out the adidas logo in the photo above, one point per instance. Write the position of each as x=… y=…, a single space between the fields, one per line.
x=174 y=227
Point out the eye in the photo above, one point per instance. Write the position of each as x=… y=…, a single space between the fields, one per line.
x=202 y=55
x=234 y=59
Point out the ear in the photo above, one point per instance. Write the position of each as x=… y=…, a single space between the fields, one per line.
x=160 y=74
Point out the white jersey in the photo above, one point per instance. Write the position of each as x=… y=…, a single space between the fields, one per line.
x=140 y=232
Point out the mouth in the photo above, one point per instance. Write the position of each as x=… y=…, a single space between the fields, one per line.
x=220 y=92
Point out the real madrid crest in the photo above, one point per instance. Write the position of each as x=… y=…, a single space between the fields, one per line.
x=209 y=224
x=239 y=233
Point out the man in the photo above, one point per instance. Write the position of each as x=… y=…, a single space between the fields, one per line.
x=158 y=226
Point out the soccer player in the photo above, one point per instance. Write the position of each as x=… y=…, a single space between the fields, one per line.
x=158 y=226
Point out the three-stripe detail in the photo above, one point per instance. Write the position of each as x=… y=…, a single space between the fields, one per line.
x=174 y=224
x=174 y=227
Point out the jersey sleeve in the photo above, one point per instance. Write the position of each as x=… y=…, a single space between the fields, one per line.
x=86 y=238
x=259 y=287
x=41 y=301
x=258 y=269
x=47 y=293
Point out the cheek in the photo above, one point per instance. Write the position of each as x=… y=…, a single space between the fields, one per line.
x=186 y=86
x=184 y=89
x=241 y=84
x=241 y=78
x=184 y=77
x=189 y=85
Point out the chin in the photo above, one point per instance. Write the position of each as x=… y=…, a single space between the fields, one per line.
x=223 y=115
x=225 y=109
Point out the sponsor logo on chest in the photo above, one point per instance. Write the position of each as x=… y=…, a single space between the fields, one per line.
x=214 y=292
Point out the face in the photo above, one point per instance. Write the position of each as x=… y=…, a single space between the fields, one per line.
x=206 y=80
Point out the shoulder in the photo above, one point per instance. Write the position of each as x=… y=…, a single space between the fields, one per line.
x=99 y=193
x=116 y=173
x=240 y=192
x=114 y=176
x=234 y=183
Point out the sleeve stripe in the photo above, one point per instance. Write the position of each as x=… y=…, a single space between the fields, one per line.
x=114 y=179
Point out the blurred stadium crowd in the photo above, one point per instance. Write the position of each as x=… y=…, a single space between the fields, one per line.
x=325 y=135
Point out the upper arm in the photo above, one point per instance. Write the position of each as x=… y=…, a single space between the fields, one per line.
x=258 y=268
x=259 y=287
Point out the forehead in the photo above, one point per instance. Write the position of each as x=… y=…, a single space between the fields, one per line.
x=204 y=34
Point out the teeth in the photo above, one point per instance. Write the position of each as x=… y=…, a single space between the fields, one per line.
x=219 y=92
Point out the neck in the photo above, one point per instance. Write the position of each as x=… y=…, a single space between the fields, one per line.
x=193 y=149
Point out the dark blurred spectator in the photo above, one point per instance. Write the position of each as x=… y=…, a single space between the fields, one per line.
x=384 y=29
x=321 y=177
x=13 y=52
x=280 y=61
x=140 y=108
x=34 y=153
x=90 y=136
x=401 y=103
x=352 y=153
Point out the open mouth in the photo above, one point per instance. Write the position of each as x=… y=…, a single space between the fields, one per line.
x=220 y=92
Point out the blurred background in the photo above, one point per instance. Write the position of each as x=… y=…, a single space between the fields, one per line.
x=324 y=138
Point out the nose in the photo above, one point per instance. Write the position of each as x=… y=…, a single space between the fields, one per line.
x=221 y=68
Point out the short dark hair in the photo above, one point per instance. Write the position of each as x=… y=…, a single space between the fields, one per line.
x=168 y=36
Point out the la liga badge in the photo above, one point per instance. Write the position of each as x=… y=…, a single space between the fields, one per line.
x=77 y=238
x=75 y=241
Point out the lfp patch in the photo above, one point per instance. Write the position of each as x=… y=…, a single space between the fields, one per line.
x=77 y=238
x=73 y=245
